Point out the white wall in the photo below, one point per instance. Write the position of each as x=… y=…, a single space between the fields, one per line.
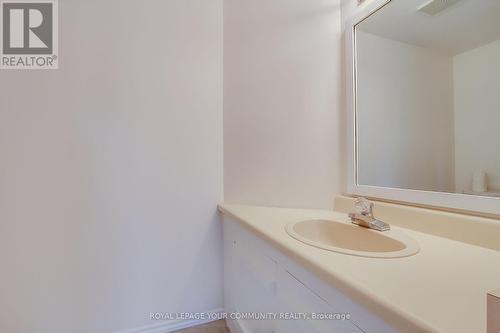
x=282 y=118
x=405 y=115
x=477 y=114
x=111 y=169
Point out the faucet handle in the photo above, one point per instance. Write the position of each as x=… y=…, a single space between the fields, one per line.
x=363 y=206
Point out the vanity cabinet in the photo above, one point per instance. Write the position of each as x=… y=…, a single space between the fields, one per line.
x=260 y=280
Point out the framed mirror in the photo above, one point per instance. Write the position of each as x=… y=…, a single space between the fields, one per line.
x=424 y=103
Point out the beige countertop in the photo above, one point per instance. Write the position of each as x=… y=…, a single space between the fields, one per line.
x=441 y=289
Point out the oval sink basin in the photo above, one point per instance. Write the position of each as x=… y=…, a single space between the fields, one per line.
x=354 y=240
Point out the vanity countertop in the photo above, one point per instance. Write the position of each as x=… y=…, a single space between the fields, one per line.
x=441 y=289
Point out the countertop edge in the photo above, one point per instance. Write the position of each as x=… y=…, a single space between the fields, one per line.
x=401 y=320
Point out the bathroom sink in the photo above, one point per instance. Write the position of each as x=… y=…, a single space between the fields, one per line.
x=354 y=240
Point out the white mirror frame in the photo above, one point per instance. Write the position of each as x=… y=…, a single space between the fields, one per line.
x=453 y=201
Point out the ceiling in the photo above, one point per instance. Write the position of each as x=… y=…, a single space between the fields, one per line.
x=462 y=27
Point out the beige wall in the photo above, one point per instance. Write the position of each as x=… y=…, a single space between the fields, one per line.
x=282 y=117
x=111 y=169
x=405 y=115
x=477 y=114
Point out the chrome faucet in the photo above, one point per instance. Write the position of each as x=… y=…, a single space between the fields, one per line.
x=364 y=216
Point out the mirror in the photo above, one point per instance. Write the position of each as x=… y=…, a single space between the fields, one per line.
x=427 y=96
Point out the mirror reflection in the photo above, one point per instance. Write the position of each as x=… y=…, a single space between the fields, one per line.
x=428 y=96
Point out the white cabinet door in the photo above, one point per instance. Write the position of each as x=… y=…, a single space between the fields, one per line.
x=250 y=281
